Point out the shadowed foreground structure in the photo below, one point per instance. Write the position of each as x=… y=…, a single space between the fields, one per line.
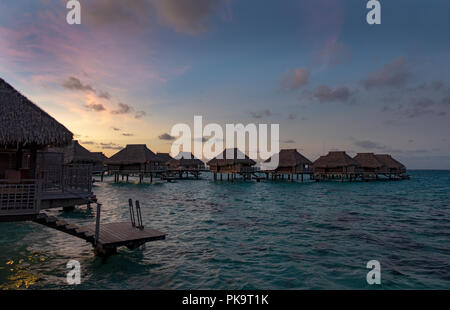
x=35 y=177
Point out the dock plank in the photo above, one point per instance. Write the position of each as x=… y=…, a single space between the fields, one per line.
x=122 y=233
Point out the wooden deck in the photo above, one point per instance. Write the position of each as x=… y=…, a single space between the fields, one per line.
x=111 y=236
x=123 y=234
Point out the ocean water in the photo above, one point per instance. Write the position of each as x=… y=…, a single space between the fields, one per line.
x=249 y=235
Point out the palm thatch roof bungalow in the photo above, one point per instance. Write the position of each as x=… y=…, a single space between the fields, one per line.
x=371 y=166
x=232 y=162
x=26 y=130
x=392 y=167
x=135 y=159
x=74 y=153
x=99 y=162
x=336 y=165
x=290 y=163
x=186 y=162
x=165 y=157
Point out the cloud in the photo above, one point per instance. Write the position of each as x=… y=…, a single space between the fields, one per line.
x=87 y=142
x=324 y=94
x=415 y=108
x=166 y=136
x=370 y=145
x=104 y=95
x=333 y=53
x=261 y=114
x=97 y=107
x=74 y=83
x=127 y=109
x=140 y=114
x=119 y=12
x=395 y=74
x=123 y=109
x=294 y=79
x=110 y=146
x=187 y=16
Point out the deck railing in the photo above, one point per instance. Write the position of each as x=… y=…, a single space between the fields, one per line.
x=73 y=178
x=77 y=178
x=20 y=197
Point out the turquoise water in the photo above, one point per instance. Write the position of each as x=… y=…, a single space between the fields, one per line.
x=248 y=235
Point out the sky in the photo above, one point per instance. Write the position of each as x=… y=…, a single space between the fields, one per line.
x=133 y=69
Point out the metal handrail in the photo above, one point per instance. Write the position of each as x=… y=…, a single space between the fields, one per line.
x=132 y=218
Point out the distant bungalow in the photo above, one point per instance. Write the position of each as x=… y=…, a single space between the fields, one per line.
x=135 y=159
x=336 y=165
x=232 y=165
x=371 y=165
x=30 y=179
x=393 y=168
x=290 y=163
x=74 y=153
x=99 y=162
x=186 y=163
x=165 y=157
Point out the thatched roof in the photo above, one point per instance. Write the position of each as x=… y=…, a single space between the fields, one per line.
x=99 y=156
x=223 y=160
x=290 y=158
x=165 y=157
x=368 y=160
x=335 y=160
x=23 y=122
x=133 y=154
x=77 y=153
x=389 y=161
x=185 y=159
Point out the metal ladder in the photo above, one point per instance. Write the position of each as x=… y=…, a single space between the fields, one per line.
x=138 y=216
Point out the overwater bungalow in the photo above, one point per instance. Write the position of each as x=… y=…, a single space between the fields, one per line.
x=165 y=157
x=30 y=177
x=99 y=162
x=371 y=166
x=186 y=163
x=290 y=163
x=135 y=159
x=74 y=153
x=232 y=162
x=392 y=167
x=336 y=165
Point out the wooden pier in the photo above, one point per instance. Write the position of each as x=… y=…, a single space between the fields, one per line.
x=110 y=237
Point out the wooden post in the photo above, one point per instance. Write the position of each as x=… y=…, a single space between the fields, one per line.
x=97 y=223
